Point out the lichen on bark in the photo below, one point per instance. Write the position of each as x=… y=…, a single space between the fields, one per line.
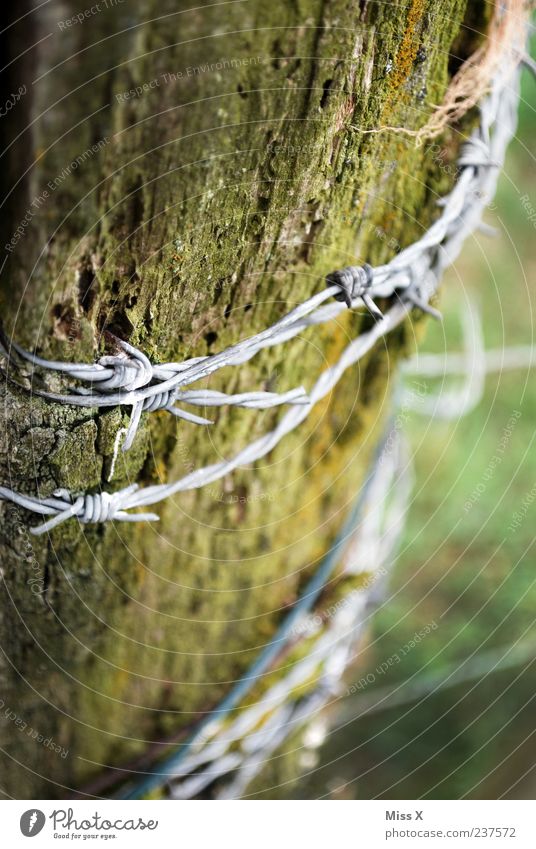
x=201 y=210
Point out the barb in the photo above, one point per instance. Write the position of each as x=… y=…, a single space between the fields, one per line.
x=355 y=282
x=96 y=507
x=130 y=379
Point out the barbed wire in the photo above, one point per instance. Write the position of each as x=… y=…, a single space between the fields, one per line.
x=454 y=401
x=471 y=367
x=147 y=388
x=494 y=360
x=410 y=278
x=237 y=748
x=224 y=757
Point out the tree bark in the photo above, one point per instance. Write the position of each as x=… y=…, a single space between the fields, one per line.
x=199 y=211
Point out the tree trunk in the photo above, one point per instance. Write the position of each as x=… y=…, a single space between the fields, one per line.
x=183 y=218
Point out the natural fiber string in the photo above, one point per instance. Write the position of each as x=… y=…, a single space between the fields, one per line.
x=411 y=278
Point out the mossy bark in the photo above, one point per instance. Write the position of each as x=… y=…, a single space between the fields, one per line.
x=196 y=212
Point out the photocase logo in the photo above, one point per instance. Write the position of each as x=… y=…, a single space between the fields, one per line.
x=31 y=822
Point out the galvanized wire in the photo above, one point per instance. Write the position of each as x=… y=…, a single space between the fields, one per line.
x=236 y=746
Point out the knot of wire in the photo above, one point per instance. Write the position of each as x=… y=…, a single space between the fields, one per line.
x=90 y=507
x=129 y=378
x=409 y=279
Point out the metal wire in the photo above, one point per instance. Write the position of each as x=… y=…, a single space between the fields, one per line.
x=215 y=739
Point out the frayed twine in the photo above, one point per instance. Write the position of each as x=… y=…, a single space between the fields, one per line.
x=500 y=53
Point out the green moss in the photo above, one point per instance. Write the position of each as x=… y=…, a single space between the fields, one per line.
x=74 y=461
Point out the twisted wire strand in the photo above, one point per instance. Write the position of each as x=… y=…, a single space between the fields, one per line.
x=91 y=507
x=387 y=500
x=412 y=277
x=238 y=747
x=495 y=360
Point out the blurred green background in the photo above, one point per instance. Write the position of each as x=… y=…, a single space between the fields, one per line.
x=457 y=729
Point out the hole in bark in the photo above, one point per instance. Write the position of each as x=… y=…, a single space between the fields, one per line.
x=241 y=92
x=248 y=307
x=136 y=207
x=277 y=49
x=66 y=324
x=148 y=322
x=46 y=582
x=210 y=338
x=227 y=311
x=325 y=93
x=86 y=289
x=421 y=56
x=119 y=325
